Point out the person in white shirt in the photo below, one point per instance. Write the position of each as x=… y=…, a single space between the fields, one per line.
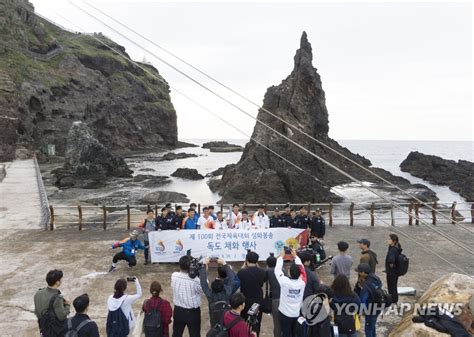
x=187 y=300
x=120 y=300
x=234 y=217
x=205 y=220
x=220 y=222
x=260 y=219
x=245 y=223
x=291 y=293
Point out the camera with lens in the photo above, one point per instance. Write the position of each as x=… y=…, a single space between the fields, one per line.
x=252 y=316
x=196 y=264
x=287 y=250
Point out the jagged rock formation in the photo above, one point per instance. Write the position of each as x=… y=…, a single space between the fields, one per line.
x=448 y=290
x=88 y=160
x=50 y=77
x=222 y=146
x=459 y=176
x=260 y=176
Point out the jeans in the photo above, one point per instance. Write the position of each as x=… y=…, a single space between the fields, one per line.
x=132 y=261
x=288 y=325
x=392 y=280
x=353 y=334
x=186 y=317
x=370 y=325
x=276 y=318
x=147 y=250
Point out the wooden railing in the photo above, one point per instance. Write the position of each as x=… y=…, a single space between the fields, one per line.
x=128 y=216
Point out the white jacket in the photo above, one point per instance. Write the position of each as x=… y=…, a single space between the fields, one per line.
x=233 y=220
x=291 y=291
x=244 y=224
x=261 y=222
x=125 y=303
x=220 y=224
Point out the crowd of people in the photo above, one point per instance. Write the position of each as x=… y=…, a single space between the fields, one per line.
x=282 y=289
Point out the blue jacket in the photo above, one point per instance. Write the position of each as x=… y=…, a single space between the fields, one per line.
x=129 y=247
x=366 y=292
x=191 y=223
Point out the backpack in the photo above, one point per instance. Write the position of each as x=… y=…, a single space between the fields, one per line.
x=71 y=332
x=402 y=264
x=217 y=310
x=152 y=322
x=345 y=323
x=236 y=284
x=221 y=330
x=378 y=295
x=49 y=323
x=117 y=323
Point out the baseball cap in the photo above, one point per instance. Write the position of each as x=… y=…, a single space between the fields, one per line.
x=134 y=233
x=364 y=241
x=363 y=268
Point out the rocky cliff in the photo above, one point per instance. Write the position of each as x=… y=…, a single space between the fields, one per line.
x=459 y=176
x=50 y=77
x=260 y=176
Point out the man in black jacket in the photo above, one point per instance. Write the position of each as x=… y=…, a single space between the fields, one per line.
x=277 y=220
x=84 y=326
x=312 y=282
x=318 y=225
x=391 y=264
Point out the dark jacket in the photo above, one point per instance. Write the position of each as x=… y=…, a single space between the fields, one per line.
x=318 y=226
x=274 y=285
x=339 y=303
x=367 y=290
x=391 y=260
x=88 y=330
x=277 y=221
x=312 y=283
x=370 y=258
x=304 y=222
x=290 y=222
x=252 y=280
x=169 y=222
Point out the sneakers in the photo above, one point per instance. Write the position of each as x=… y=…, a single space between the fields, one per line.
x=112 y=269
x=146 y=262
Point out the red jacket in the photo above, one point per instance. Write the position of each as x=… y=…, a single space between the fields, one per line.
x=240 y=329
x=165 y=311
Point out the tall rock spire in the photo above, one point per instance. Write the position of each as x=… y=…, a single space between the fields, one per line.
x=304 y=55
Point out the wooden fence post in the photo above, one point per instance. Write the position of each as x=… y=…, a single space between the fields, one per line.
x=410 y=215
x=417 y=213
x=104 y=211
x=222 y=209
x=243 y=207
x=51 y=219
x=330 y=214
x=453 y=212
x=309 y=208
x=79 y=210
x=156 y=211
x=433 y=212
x=392 y=215
x=472 y=213
x=266 y=208
x=199 y=208
x=351 y=214
x=128 y=216
x=372 y=211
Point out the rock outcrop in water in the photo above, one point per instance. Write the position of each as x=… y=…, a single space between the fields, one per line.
x=222 y=146
x=260 y=176
x=88 y=160
x=50 y=77
x=459 y=176
x=187 y=173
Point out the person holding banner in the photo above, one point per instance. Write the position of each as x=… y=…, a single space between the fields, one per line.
x=234 y=217
x=245 y=223
x=205 y=220
x=190 y=221
x=260 y=219
x=220 y=222
x=148 y=225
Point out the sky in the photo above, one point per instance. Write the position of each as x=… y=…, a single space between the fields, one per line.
x=392 y=70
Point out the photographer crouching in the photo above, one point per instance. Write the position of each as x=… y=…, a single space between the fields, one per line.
x=186 y=298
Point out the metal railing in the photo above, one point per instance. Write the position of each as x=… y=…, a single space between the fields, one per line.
x=335 y=213
x=45 y=218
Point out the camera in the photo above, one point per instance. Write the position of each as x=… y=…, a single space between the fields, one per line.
x=131 y=278
x=287 y=250
x=213 y=261
x=252 y=316
x=196 y=264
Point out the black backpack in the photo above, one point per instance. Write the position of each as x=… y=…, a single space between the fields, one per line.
x=345 y=323
x=74 y=332
x=221 y=330
x=117 y=323
x=152 y=324
x=49 y=323
x=402 y=264
x=378 y=295
x=217 y=310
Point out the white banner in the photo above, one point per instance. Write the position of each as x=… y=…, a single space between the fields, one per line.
x=229 y=244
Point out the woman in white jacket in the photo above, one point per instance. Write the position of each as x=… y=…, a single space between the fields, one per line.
x=124 y=301
x=291 y=293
